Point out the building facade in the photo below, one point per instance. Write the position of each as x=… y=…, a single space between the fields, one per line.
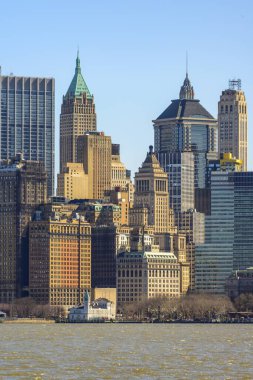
x=98 y=310
x=119 y=172
x=78 y=116
x=228 y=231
x=59 y=261
x=186 y=126
x=240 y=282
x=72 y=183
x=233 y=122
x=23 y=187
x=151 y=193
x=94 y=152
x=27 y=121
x=144 y=275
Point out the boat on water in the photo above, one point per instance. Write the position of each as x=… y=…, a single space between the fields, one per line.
x=2 y=316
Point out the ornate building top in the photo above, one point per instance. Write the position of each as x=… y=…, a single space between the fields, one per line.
x=78 y=86
x=186 y=91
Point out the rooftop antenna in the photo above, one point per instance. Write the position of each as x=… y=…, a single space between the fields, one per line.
x=235 y=84
x=186 y=63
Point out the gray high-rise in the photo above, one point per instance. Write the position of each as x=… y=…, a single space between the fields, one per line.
x=27 y=121
x=185 y=127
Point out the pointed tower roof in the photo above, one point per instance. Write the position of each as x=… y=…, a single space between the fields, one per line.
x=151 y=165
x=78 y=86
x=186 y=91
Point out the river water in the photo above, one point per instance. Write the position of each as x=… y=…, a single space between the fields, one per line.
x=126 y=351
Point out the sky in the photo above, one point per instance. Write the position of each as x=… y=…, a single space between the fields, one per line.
x=132 y=57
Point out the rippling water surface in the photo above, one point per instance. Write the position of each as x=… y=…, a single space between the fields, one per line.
x=126 y=351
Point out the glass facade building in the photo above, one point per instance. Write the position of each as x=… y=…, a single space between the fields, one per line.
x=27 y=122
x=228 y=231
x=186 y=126
x=180 y=169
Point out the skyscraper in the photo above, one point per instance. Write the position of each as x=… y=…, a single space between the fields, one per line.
x=186 y=138
x=228 y=230
x=186 y=126
x=59 y=260
x=151 y=192
x=232 y=121
x=27 y=122
x=77 y=116
x=23 y=186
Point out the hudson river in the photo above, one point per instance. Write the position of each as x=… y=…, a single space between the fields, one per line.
x=126 y=351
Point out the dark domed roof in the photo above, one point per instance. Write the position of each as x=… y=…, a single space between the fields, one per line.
x=180 y=108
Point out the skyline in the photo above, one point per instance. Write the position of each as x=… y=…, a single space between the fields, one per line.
x=142 y=67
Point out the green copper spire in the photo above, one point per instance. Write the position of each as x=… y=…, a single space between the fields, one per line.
x=78 y=86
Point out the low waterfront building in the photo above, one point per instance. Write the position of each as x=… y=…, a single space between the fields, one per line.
x=100 y=309
x=146 y=274
x=239 y=282
x=108 y=293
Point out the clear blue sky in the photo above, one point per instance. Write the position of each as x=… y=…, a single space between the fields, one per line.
x=132 y=56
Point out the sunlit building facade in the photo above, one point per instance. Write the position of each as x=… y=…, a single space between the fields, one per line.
x=27 y=121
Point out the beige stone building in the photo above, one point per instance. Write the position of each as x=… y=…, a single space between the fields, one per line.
x=120 y=196
x=119 y=178
x=23 y=186
x=59 y=261
x=94 y=152
x=151 y=192
x=233 y=122
x=73 y=182
x=142 y=275
x=77 y=116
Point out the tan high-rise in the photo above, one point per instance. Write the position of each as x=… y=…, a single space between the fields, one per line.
x=119 y=178
x=151 y=192
x=59 y=261
x=232 y=120
x=77 y=116
x=94 y=150
x=73 y=182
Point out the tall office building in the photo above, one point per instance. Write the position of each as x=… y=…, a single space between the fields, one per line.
x=94 y=151
x=151 y=192
x=186 y=138
x=232 y=121
x=23 y=186
x=27 y=122
x=185 y=127
x=59 y=260
x=228 y=231
x=77 y=116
